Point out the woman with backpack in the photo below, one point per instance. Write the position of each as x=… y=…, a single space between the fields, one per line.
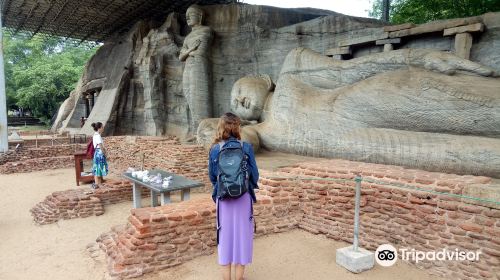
x=234 y=176
x=99 y=163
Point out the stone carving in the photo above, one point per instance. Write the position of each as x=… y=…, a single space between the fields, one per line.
x=140 y=79
x=417 y=108
x=196 y=77
x=249 y=95
x=151 y=62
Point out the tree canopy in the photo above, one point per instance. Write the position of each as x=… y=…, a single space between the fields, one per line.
x=421 y=11
x=41 y=71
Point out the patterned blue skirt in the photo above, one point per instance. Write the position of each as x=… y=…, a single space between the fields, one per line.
x=99 y=166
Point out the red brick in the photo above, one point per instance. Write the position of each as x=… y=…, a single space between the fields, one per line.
x=490 y=251
x=424 y=181
x=415 y=200
x=446 y=183
x=189 y=215
x=403 y=205
x=340 y=199
x=493 y=232
x=448 y=205
x=457 y=231
x=471 y=227
x=470 y=209
x=158 y=218
x=149 y=247
x=484 y=221
x=174 y=217
x=426 y=209
x=493 y=213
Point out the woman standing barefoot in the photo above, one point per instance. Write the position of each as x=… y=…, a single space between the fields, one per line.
x=235 y=221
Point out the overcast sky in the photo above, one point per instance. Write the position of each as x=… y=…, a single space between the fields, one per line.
x=348 y=7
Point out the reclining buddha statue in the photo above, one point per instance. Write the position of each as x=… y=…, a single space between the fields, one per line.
x=416 y=108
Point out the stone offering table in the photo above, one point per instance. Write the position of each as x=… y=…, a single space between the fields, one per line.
x=179 y=183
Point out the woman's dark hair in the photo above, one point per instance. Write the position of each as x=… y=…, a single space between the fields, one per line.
x=96 y=126
x=229 y=125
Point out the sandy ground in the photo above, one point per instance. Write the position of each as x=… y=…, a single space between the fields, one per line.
x=295 y=255
x=58 y=251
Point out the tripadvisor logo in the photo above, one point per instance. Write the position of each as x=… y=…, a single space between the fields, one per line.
x=386 y=255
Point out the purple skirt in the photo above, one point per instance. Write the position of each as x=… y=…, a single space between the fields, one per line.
x=236 y=231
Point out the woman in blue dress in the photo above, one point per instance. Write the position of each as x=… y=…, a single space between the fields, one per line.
x=234 y=216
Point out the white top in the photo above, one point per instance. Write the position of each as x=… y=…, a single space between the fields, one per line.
x=96 y=139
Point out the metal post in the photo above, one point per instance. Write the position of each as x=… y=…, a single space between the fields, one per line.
x=4 y=139
x=358 y=180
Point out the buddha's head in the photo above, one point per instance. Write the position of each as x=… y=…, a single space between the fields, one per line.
x=249 y=95
x=194 y=15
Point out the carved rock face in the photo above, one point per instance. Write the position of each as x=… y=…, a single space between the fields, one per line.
x=399 y=108
x=193 y=19
x=194 y=15
x=249 y=95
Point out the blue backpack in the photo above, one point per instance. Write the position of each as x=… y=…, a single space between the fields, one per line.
x=233 y=177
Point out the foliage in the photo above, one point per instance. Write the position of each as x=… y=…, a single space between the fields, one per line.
x=421 y=11
x=40 y=72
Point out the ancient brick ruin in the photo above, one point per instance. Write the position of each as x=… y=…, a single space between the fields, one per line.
x=318 y=197
x=404 y=207
x=123 y=152
x=80 y=203
x=35 y=159
x=159 y=152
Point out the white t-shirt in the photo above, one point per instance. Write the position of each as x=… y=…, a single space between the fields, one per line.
x=96 y=139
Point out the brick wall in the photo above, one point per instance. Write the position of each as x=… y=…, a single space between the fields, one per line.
x=405 y=218
x=168 y=154
x=42 y=152
x=164 y=153
x=35 y=159
x=123 y=152
x=81 y=202
x=161 y=237
x=66 y=205
x=165 y=236
x=37 y=164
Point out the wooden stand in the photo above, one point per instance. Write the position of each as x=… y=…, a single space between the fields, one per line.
x=79 y=158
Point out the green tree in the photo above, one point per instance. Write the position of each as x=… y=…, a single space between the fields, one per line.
x=41 y=71
x=421 y=11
